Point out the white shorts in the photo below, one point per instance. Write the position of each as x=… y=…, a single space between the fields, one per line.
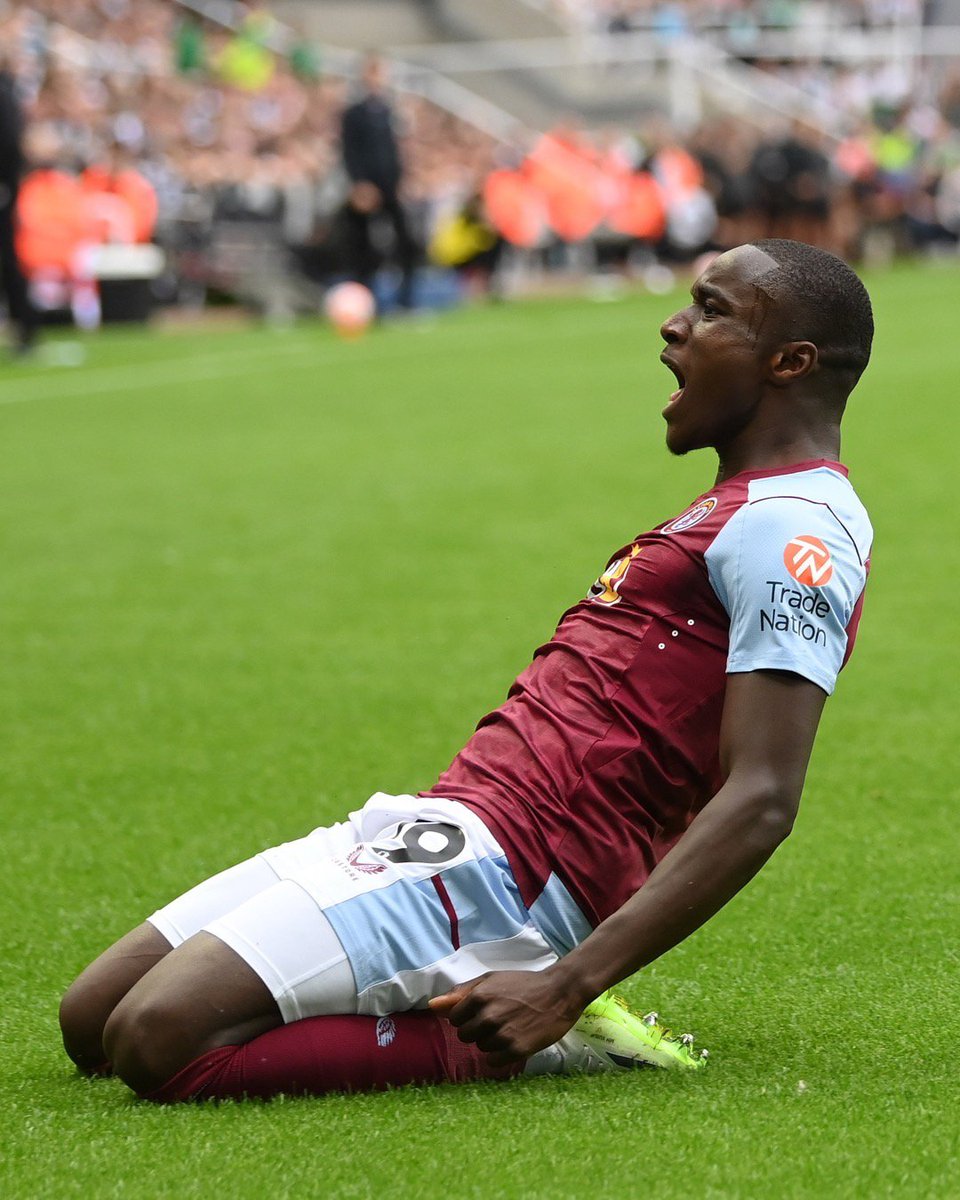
x=400 y=902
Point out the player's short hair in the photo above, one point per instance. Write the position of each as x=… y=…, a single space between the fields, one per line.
x=822 y=301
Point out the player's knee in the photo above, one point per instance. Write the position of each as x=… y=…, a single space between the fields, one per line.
x=91 y=998
x=82 y=1018
x=145 y=1040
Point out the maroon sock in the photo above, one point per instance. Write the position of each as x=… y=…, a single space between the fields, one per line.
x=334 y=1054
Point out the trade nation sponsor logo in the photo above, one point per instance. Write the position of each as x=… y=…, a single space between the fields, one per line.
x=800 y=611
x=808 y=560
x=807 y=610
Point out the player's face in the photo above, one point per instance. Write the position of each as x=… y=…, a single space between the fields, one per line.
x=718 y=347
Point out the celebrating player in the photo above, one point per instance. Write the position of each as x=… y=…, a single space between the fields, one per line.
x=642 y=769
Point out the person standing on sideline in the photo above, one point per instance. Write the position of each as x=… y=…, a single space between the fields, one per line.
x=371 y=158
x=22 y=315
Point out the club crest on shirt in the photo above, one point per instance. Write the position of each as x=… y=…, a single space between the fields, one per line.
x=808 y=560
x=606 y=590
x=693 y=516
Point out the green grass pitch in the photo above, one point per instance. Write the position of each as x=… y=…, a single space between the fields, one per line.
x=249 y=577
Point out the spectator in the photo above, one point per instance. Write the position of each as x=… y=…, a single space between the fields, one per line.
x=789 y=178
x=117 y=179
x=469 y=243
x=21 y=312
x=371 y=156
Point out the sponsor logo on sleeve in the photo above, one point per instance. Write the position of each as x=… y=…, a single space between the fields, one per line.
x=792 y=611
x=808 y=560
x=693 y=516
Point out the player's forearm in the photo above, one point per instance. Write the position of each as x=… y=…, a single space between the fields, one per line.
x=725 y=846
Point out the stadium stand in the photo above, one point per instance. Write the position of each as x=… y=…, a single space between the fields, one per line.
x=211 y=129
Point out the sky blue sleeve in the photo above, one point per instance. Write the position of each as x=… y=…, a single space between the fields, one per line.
x=789 y=576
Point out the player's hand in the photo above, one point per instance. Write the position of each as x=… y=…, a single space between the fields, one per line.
x=508 y=1014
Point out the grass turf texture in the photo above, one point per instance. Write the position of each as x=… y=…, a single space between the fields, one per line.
x=250 y=577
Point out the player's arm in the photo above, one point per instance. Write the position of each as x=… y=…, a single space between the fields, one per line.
x=769 y=723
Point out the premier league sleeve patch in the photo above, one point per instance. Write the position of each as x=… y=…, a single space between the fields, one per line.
x=789 y=576
x=693 y=516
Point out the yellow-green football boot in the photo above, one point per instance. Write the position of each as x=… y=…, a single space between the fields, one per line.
x=624 y=1040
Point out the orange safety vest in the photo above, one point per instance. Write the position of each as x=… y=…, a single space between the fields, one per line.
x=51 y=223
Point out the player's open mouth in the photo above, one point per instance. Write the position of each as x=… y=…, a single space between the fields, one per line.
x=681 y=379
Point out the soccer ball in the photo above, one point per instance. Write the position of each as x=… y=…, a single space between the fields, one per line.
x=350 y=307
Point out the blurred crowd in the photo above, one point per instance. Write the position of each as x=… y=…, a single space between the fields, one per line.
x=890 y=185
x=197 y=105
x=147 y=123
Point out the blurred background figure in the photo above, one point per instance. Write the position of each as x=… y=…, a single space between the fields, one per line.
x=789 y=179
x=121 y=204
x=467 y=242
x=371 y=157
x=23 y=319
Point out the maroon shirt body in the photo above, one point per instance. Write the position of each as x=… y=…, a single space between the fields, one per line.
x=608 y=743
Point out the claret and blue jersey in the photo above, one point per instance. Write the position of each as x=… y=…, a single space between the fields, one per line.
x=608 y=744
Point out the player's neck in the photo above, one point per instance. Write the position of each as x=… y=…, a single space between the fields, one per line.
x=769 y=450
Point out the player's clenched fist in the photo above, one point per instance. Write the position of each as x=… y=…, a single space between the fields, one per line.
x=509 y=1014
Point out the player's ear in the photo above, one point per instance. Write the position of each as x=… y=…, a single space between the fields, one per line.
x=793 y=361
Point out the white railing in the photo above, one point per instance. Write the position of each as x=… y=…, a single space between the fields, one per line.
x=704 y=63
x=828 y=44
x=830 y=14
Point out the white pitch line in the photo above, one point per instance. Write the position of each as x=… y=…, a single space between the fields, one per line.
x=261 y=359
x=102 y=380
